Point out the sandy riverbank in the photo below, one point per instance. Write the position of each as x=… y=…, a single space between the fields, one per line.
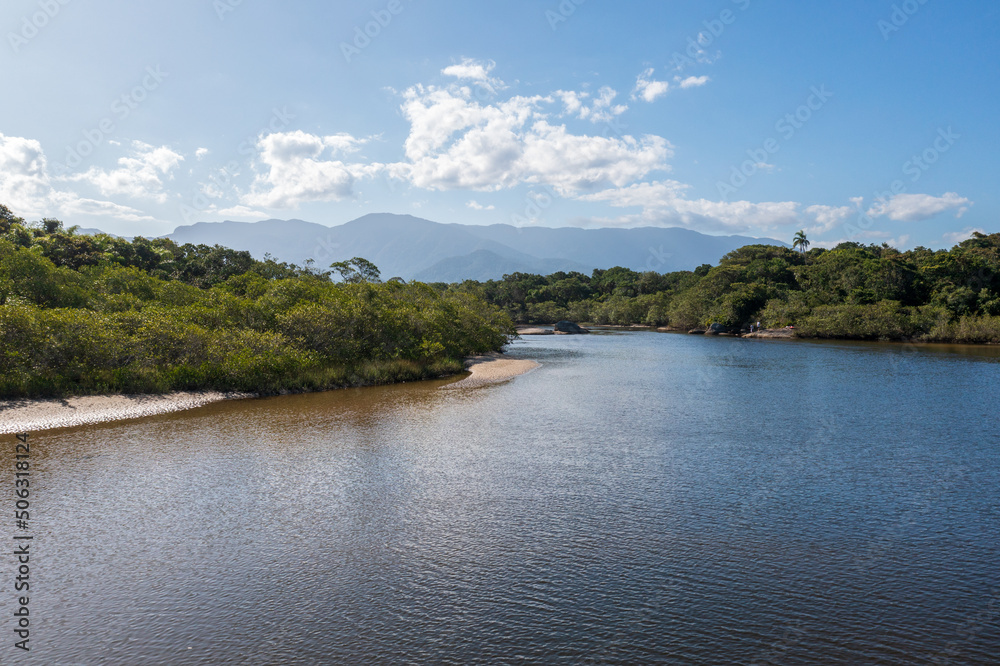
x=33 y=415
x=492 y=369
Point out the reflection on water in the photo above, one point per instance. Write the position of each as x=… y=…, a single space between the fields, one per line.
x=641 y=497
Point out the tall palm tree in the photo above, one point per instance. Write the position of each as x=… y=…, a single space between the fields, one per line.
x=800 y=241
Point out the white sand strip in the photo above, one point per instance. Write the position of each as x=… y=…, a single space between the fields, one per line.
x=32 y=415
x=492 y=369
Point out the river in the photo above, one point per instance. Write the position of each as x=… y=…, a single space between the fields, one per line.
x=639 y=498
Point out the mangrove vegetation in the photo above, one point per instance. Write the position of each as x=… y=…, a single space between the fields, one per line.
x=86 y=314
x=867 y=292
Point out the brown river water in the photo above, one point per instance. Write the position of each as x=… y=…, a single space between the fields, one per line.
x=639 y=498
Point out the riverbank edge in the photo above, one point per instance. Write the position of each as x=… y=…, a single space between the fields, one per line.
x=492 y=368
x=764 y=334
x=19 y=415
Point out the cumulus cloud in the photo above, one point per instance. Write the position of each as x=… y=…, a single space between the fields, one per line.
x=918 y=207
x=604 y=109
x=477 y=71
x=456 y=142
x=24 y=181
x=241 y=212
x=138 y=176
x=296 y=171
x=69 y=204
x=664 y=202
x=601 y=109
x=692 y=81
x=826 y=218
x=572 y=100
x=647 y=88
x=26 y=186
x=475 y=205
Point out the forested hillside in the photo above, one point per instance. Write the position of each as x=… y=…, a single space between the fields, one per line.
x=852 y=291
x=99 y=314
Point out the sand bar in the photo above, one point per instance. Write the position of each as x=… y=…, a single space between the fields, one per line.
x=29 y=415
x=33 y=415
x=492 y=369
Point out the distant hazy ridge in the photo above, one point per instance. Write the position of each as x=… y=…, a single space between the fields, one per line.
x=413 y=248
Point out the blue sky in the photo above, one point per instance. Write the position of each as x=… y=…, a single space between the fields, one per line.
x=871 y=120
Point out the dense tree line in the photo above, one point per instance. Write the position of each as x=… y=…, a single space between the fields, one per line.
x=100 y=314
x=852 y=291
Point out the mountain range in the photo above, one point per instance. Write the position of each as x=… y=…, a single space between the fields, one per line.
x=413 y=248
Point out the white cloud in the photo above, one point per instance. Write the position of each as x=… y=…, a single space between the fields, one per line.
x=692 y=81
x=24 y=181
x=69 y=204
x=25 y=186
x=241 y=212
x=201 y=153
x=296 y=172
x=475 y=205
x=647 y=88
x=139 y=176
x=602 y=110
x=663 y=202
x=455 y=142
x=918 y=207
x=477 y=71
x=695 y=53
x=572 y=100
x=826 y=218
